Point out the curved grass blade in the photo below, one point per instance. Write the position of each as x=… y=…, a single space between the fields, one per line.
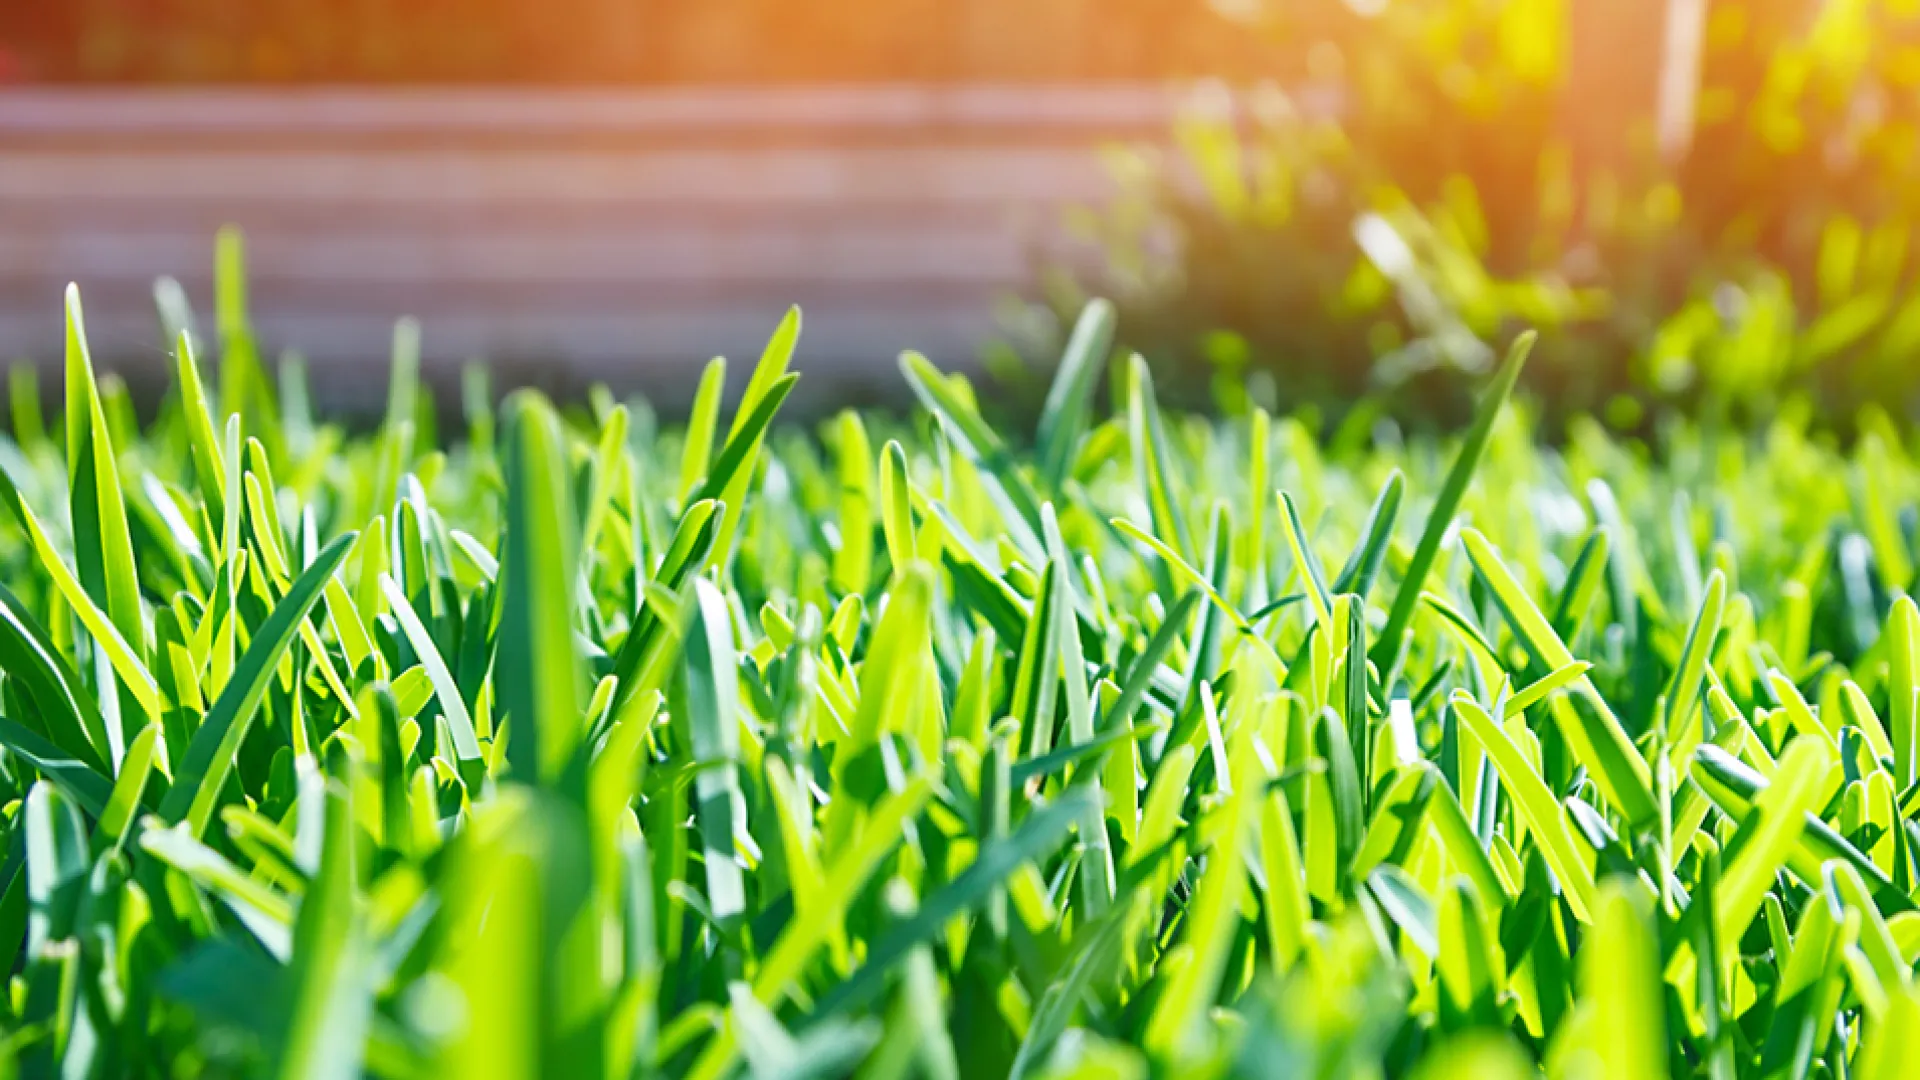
x=1387 y=648
x=1375 y=536
x=1584 y=578
x=103 y=547
x=453 y=708
x=1212 y=918
x=128 y=798
x=768 y=387
x=1153 y=464
x=896 y=513
x=1535 y=803
x=1684 y=692
x=126 y=662
x=78 y=780
x=64 y=709
x=1732 y=787
x=697 y=451
x=1535 y=692
x=1769 y=834
x=1063 y=416
x=1598 y=739
x=1903 y=684
x=202 y=773
x=608 y=461
x=1041 y=833
x=1308 y=564
x=266 y=914
x=981 y=446
x=845 y=875
x=203 y=446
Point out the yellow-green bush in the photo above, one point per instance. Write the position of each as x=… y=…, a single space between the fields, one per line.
x=1763 y=249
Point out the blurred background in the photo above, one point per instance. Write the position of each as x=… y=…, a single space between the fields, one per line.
x=1704 y=205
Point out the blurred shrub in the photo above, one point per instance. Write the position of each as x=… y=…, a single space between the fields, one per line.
x=1442 y=172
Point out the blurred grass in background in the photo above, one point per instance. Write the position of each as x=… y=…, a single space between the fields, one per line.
x=1701 y=203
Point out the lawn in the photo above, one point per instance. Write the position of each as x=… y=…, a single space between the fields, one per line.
x=561 y=742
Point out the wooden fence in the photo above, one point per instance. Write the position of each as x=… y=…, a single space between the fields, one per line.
x=623 y=235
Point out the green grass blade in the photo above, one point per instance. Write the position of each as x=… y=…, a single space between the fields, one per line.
x=896 y=513
x=1094 y=951
x=608 y=464
x=128 y=798
x=1903 y=684
x=1376 y=535
x=1536 y=804
x=332 y=993
x=201 y=775
x=1039 y=834
x=1620 y=975
x=853 y=561
x=55 y=842
x=979 y=444
x=1584 y=578
x=1153 y=464
x=60 y=702
x=103 y=546
x=768 y=387
x=1598 y=738
x=203 y=446
x=1535 y=692
x=266 y=914
x=1769 y=834
x=845 y=876
x=1684 y=692
x=1064 y=414
x=453 y=708
x=121 y=655
x=77 y=780
x=1387 y=648
x=1307 y=563
x=537 y=668
x=707 y=696
x=701 y=422
x=1289 y=912
x=1212 y=917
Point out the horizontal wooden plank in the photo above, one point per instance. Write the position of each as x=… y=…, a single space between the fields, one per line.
x=618 y=232
x=656 y=253
x=431 y=300
x=688 y=178
x=295 y=219
x=343 y=112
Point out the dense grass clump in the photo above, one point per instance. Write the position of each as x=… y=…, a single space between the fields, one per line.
x=1137 y=745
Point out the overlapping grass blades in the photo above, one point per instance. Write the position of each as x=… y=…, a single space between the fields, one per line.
x=576 y=747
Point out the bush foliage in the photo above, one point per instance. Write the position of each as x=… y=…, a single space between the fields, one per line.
x=1453 y=170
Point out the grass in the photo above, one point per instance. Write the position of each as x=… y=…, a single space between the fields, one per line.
x=1138 y=745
